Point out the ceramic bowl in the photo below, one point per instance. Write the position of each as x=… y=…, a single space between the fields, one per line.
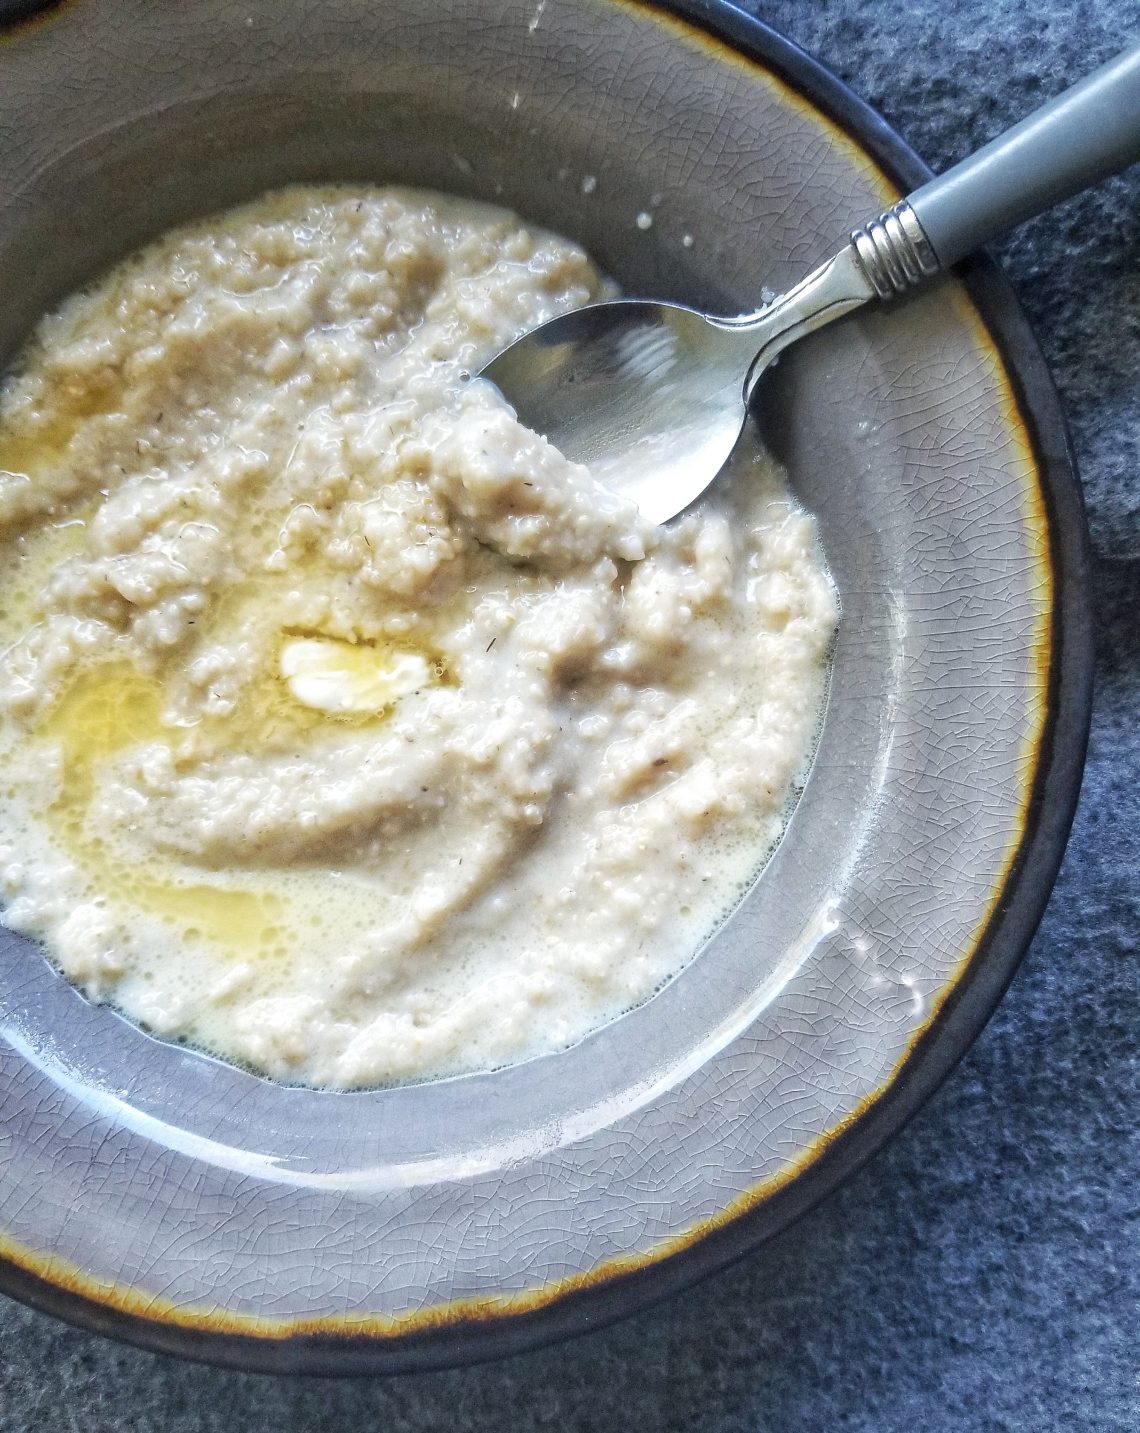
x=153 y=1193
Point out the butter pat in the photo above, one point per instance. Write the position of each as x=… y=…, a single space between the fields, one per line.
x=337 y=677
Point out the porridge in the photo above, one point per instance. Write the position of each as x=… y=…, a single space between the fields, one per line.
x=347 y=730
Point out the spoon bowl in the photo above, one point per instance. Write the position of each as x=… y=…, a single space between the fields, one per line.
x=652 y=396
x=648 y=395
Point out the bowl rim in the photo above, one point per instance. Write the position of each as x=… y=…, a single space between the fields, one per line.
x=987 y=970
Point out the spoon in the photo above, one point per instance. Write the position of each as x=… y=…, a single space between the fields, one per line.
x=653 y=396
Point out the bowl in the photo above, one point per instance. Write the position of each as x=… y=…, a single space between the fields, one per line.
x=153 y=1193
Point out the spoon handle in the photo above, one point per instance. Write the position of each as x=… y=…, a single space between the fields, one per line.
x=1090 y=131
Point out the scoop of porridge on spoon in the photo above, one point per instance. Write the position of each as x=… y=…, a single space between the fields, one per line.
x=653 y=396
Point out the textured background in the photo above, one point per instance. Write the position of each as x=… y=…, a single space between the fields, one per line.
x=984 y=1271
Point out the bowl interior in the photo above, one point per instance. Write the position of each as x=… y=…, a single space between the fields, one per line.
x=899 y=432
x=124 y=185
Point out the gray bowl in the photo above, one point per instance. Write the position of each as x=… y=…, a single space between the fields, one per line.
x=153 y=1193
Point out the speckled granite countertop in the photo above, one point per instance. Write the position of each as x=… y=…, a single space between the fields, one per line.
x=984 y=1271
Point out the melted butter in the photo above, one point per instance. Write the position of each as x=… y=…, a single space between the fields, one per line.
x=111 y=707
x=267 y=717
x=337 y=678
x=21 y=592
x=274 y=708
x=264 y=720
x=27 y=453
x=107 y=710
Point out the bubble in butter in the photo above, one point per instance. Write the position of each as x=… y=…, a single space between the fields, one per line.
x=332 y=676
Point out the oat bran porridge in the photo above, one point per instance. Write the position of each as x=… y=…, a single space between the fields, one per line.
x=346 y=729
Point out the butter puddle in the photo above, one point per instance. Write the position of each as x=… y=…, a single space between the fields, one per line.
x=301 y=686
x=106 y=711
x=27 y=454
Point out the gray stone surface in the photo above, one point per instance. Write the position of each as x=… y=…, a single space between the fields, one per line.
x=983 y=1272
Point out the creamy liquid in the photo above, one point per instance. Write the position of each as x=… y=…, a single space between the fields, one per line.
x=346 y=729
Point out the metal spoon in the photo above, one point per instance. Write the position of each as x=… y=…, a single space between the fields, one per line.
x=653 y=396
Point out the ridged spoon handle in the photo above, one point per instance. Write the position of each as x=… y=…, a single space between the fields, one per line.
x=1090 y=131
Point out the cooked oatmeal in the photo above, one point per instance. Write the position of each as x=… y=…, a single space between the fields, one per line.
x=348 y=730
